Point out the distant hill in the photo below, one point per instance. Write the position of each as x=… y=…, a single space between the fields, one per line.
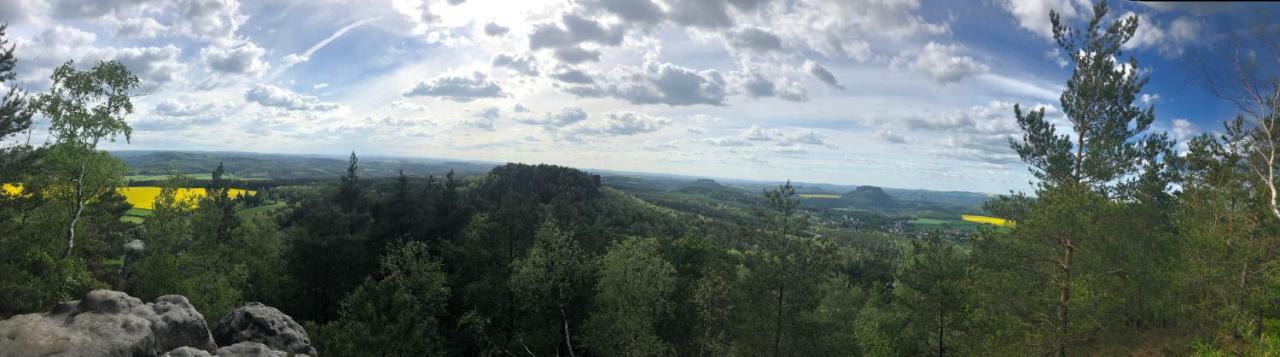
x=712 y=189
x=869 y=197
x=255 y=166
x=151 y=166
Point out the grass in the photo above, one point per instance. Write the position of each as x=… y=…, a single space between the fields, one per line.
x=138 y=212
x=250 y=212
x=819 y=196
x=193 y=176
x=931 y=223
x=135 y=215
x=198 y=176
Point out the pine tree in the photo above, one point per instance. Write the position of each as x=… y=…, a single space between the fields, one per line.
x=1108 y=151
x=15 y=115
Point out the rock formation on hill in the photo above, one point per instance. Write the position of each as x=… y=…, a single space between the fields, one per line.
x=870 y=197
x=112 y=323
x=260 y=323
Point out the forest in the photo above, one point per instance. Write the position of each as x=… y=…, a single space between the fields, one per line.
x=1126 y=246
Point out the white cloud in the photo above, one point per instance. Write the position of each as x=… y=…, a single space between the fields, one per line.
x=754 y=39
x=572 y=31
x=756 y=85
x=1170 y=41
x=156 y=65
x=520 y=63
x=457 y=88
x=92 y=8
x=1148 y=99
x=623 y=123
x=20 y=11
x=559 y=119
x=243 y=58
x=890 y=136
x=483 y=119
x=726 y=142
x=209 y=19
x=942 y=63
x=185 y=108
x=1033 y=15
x=660 y=83
x=784 y=137
x=1182 y=132
x=821 y=74
x=576 y=55
x=144 y=27
x=569 y=75
x=272 y=96
x=493 y=29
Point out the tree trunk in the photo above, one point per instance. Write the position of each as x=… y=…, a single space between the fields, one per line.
x=567 y=341
x=1064 y=298
x=777 y=331
x=75 y=214
x=1079 y=154
x=941 y=329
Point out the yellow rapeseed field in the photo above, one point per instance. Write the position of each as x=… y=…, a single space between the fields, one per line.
x=998 y=222
x=11 y=189
x=143 y=197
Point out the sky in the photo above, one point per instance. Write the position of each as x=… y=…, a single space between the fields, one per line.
x=895 y=93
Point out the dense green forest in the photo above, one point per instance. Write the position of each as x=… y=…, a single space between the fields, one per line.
x=1125 y=246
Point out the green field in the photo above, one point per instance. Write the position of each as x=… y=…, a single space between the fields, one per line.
x=137 y=215
x=250 y=212
x=930 y=223
x=193 y=176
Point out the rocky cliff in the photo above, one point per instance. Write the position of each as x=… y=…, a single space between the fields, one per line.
x=112 y=323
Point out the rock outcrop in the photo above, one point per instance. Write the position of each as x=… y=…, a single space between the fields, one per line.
x=112 y=323
x=263 y=324
x=250 y=349
x=107 y=323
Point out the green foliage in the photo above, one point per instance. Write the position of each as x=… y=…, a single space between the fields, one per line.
x=329 y=250
x=86 y=107
x=931 y=289
x=175 y=260
x=398 y=314
x=1098 y=101
x=15 y=114
x=632 y=296
x=550 y=278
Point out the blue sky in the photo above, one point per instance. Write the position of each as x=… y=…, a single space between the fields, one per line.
x=897 y=93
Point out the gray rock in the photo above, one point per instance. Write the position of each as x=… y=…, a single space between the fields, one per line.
x=187 y=352
x=179 y=324
x=250 y=349
x=106 y=323
x=263 y=324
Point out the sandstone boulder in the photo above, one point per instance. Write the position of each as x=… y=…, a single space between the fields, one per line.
x=106 y=323
x=250 y=349
x=266 y=325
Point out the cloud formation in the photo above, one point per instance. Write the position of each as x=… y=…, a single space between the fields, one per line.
x=457 y=88
x=942 y=63
x=271 y=96
x=522 y=64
